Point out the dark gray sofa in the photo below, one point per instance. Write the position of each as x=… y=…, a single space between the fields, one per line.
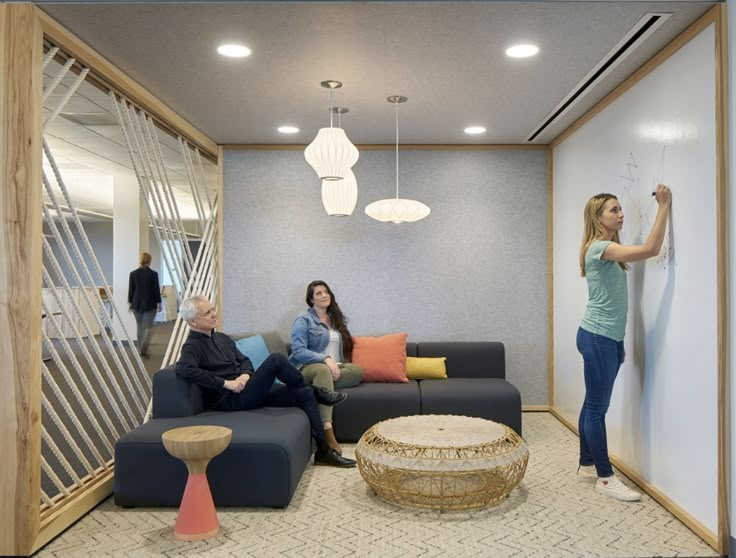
x=476 y=386
x=271 y=447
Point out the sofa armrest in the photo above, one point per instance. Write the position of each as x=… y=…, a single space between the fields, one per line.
x=480 y=359
x=174 y=397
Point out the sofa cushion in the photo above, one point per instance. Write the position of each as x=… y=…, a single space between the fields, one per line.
x=475 y=359
x=383 y=359
x=254 y=348
x=270 y=449
x=489 y=398
x=368 y=404
x=273 y=340
x=418 y=368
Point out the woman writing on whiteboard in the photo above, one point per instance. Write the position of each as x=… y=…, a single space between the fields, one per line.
x=603 y=262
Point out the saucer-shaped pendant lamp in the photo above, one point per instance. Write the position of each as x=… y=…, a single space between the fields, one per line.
x=397 y=210
x=340 y=196
x=331 y=154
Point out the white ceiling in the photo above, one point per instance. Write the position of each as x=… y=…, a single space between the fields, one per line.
x=446 y=57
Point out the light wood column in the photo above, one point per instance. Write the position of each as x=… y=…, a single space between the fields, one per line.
x=20 y=270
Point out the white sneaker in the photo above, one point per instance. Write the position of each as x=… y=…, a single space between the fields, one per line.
x=586 y=472
x=611 y=486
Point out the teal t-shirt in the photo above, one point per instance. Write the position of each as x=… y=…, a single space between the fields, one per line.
x=608 y=298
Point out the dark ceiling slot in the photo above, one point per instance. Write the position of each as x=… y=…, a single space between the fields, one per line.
x=613 y=58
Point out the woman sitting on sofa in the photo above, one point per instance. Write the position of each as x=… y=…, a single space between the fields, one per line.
x=321 y=348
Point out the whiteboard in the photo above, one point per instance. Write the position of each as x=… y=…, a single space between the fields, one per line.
x=662 y=421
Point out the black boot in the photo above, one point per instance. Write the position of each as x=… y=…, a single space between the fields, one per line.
x=327 y=397
x=328 y=456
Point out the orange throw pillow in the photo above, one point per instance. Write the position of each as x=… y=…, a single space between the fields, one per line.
x=383 y=359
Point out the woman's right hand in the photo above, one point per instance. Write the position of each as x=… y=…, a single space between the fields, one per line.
x=334 y=368
x=663 y=195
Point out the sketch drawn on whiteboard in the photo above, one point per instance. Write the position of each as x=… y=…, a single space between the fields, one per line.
x=640 y=208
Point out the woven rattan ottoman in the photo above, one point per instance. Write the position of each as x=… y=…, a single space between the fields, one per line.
x=444 y=462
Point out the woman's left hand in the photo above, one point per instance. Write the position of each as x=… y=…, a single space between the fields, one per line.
x=334 y=368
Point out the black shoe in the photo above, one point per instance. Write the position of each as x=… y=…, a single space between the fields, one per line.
x=327 y=397
x=331 y=458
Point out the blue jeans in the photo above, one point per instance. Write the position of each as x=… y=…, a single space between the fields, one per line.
x=260 y=391
x=602 y=358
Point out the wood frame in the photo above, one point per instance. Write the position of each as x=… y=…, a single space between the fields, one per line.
x=720 y=540
x=21 y=84
x=26 y=527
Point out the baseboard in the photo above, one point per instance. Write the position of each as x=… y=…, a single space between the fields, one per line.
x=535 y=408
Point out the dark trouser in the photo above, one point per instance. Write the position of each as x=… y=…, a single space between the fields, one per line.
x=144 y=321
x=260 y=391
x=602 y=357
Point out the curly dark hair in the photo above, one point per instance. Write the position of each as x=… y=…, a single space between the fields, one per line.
x=338 y=320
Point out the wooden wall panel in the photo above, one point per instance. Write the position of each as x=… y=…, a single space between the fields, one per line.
x=20 y=285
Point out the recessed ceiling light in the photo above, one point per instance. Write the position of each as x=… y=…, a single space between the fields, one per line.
x=234 y=51
x=288 y=129
x=475 y=130
x=522 y=51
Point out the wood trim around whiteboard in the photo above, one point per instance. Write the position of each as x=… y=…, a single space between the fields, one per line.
x=120 y=82
x=722 y=280
x=21 y=85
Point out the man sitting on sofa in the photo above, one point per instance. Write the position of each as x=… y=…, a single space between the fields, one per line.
x=211 y=360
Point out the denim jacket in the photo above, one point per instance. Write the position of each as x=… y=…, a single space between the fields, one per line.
x=309 y=337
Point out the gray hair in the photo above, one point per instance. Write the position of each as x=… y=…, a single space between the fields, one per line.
x=188 y=308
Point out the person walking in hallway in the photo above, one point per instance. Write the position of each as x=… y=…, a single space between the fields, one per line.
x=144 y=300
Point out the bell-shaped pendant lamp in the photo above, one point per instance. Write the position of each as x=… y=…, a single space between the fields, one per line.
x=397 y=210
x=331 y=154
x=340 y=196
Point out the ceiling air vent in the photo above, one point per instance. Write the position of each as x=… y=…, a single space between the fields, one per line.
x=636 y=35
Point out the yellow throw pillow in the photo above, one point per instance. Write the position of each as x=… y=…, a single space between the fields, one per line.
x=426 y=368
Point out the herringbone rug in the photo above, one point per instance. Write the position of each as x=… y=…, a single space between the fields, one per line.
x=333 y=514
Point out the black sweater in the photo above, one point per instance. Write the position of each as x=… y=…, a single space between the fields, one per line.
x=210 y=360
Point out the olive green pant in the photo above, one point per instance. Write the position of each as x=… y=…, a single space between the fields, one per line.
x=319 y=375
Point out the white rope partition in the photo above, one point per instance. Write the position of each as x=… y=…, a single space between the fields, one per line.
x=46 y=468
x=57 y=80
x=60 y=456
x=77 y=365
x=79 y=397
x=49 y=56
x=111 y=350
x=139 y=166
x=192 y=181
x=56 y=419
x=204 y=181
x=94 y=386
x=136 y=372
x=168 y=190
x=49 y=379
x=65 y=99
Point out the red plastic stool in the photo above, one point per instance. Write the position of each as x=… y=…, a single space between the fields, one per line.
x=196 y=446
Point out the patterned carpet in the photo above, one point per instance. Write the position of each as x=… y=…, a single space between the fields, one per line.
x=551 y=514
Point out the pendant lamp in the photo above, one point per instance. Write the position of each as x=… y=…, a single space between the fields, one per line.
x=331 y=154
x=340 y=196
x=397 y=210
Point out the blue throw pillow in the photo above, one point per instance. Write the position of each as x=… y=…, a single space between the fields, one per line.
x=254 y=348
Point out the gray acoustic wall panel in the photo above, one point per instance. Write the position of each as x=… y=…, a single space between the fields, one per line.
x=475 y=269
